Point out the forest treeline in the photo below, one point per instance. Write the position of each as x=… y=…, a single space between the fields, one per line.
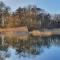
x=31 y=16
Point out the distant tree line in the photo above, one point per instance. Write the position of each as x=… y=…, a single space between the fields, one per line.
x=30 y=16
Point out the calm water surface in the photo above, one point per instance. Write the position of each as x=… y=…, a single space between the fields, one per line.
x=32 y=48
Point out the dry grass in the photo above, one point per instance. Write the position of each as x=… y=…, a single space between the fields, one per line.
x=39 y=33
x=21 y=29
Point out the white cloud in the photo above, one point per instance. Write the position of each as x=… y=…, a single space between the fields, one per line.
x=3 y=0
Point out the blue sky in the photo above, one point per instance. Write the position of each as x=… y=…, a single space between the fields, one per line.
x=52 y=6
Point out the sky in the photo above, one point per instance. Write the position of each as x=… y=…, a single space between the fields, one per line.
x=51 y=6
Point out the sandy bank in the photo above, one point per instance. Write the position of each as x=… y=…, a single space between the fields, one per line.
x=39 y=33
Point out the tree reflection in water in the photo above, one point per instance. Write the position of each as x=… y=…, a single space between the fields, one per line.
x=32 y=46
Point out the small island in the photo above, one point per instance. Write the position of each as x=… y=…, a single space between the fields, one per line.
x=30 y=19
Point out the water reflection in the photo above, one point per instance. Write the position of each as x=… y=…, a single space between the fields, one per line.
x=37 y=47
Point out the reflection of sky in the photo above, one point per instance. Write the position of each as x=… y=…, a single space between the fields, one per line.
x=53 y=53
x=50 y=54
x=16 y=57
x=13 y=54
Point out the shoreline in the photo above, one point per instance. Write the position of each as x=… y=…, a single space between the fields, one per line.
x=45 y=32
x=39 y=33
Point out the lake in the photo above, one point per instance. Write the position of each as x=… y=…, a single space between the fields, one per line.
x=31 y=48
